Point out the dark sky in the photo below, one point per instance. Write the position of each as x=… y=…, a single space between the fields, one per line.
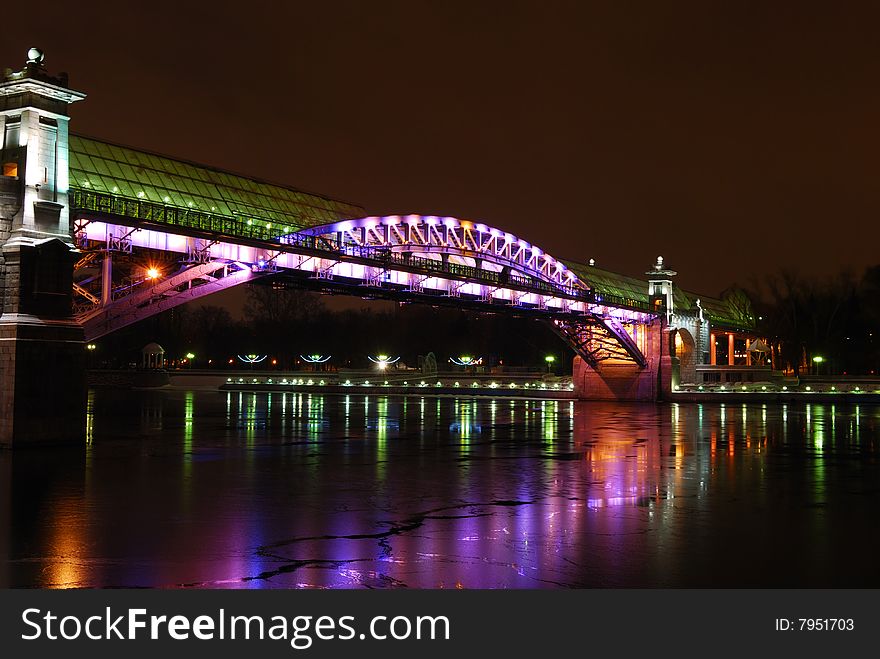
x=733 y=138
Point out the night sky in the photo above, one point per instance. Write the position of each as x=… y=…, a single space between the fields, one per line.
x=733 y=138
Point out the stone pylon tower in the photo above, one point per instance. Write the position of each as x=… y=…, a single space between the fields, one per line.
x=42 y=375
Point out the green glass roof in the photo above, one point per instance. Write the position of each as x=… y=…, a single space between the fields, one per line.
x=110 y=168
x=732 y=312
x=611 y=283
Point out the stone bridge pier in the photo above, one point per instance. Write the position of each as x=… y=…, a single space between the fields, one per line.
x=627 y=381
x=42 y=361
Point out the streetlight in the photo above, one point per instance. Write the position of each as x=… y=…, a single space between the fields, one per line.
x=466 y=360
x=382 y=361
x=549 y=359
x=818 y=360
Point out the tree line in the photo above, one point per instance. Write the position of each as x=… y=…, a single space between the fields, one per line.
x=835 y=318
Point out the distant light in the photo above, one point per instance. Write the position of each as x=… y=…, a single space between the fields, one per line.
x=382 y=361
x=807 y=388
x=315 y=359
x=274 y=362
x=153 y=273
x=818 y=359
x=190 y=355
x=91 y=346
x=252 y=359
x=549 y=359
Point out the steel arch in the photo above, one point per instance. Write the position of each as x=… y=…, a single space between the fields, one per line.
x=430 y=234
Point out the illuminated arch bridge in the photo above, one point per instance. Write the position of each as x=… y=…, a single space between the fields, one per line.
x=155 y=232
x=439 y=260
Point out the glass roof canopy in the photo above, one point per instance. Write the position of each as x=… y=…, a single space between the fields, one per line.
x=113 y=169
x=726 y=313
x=117 y=170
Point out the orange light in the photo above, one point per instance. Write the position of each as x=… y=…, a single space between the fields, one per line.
x=274 y=362
x=153 y=273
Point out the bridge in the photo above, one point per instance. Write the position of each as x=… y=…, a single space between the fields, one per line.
x=97 y=236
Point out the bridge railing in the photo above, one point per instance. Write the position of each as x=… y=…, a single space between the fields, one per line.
x=191 y=218
x=150 y=211
x=386 y=258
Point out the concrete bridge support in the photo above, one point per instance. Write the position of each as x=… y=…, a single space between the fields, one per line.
x=42 y=360
x=625 y=381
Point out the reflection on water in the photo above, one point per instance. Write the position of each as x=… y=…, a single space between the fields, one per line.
x=206 y=489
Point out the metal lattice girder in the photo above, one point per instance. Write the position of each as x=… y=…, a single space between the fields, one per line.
x=79 y=290
x=446 y=236
x=597 y=338
x=144 y=301
x=615 y=328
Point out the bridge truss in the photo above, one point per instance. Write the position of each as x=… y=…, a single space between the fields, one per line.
x=408 y=258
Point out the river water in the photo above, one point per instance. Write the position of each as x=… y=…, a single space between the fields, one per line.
x=239 y=490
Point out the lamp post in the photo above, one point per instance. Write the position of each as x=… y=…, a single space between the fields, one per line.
x=817 y=360
x=549 y=359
